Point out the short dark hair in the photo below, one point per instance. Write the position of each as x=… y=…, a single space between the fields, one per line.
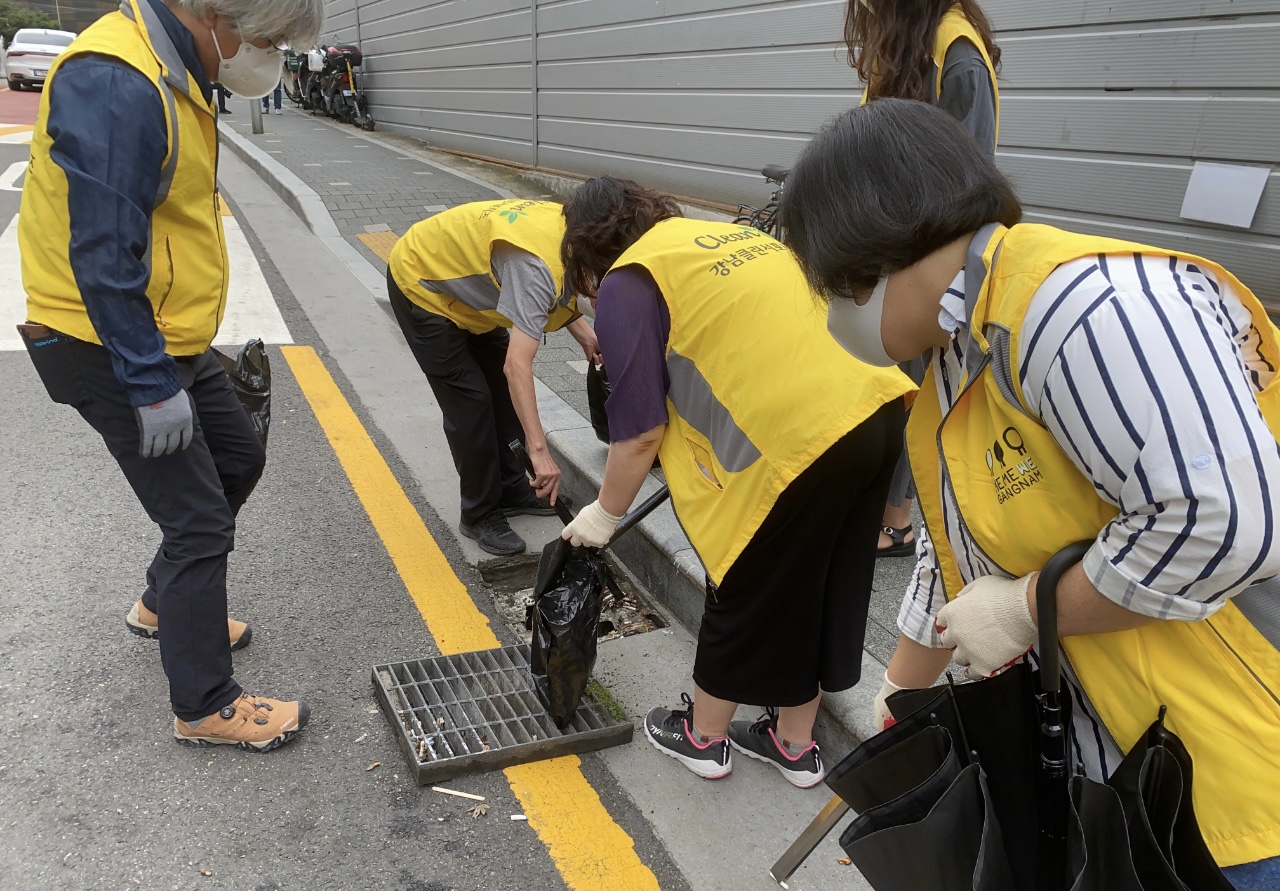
x=883 y=186
x=605 y=216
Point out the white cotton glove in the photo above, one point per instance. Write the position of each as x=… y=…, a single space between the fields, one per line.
x=591 y=528
x=881 y=717
x=988 y=625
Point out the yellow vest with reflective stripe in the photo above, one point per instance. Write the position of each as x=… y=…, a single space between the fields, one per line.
x=187 y=255
x=952 y=27
x=1022 y=500
x=759 y=389
x=456 y=245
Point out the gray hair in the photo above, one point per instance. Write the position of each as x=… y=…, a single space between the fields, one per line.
x=297 y=21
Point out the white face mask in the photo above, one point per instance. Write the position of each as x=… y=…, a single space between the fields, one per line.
x=252 y=72
x=857 y=328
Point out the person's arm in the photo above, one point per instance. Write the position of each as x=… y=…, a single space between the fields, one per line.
x=1149 y=400
x=628 y=464
x=519 y=371
x=581 y=331
x=109 y=137
x=968 y=94
x=918 y=659
x=1082 y=608
x=527 y=294
x=633 y=327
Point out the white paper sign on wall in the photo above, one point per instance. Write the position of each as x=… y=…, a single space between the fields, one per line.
x=1227 y=194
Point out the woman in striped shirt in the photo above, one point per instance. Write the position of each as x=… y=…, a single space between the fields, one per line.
x=1079 y=388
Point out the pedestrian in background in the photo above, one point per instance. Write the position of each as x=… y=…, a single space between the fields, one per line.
x=776 y=444
x=125 y=268
x=266 y=100
x=474 y=289
x=223 y=95
x=1081 y=389
x=941 y=52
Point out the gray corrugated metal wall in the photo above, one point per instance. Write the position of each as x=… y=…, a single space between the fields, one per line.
x=1106 y=105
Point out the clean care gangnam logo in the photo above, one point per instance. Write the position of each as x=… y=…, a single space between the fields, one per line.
x=1013 y=470
x=512 y=212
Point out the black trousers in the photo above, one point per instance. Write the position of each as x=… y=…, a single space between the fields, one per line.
x=465 y=373
x=790 y=615
x=192 y=495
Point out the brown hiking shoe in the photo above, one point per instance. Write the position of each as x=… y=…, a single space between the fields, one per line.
x=144 y=623
x=252 y=723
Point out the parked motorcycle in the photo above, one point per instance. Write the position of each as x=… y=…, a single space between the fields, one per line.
x=329 y=82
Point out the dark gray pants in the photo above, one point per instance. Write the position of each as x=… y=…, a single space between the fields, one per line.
x=192 y=495
x=465 y=373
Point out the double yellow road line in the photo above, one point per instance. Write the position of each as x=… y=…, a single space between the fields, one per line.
x=592 y=852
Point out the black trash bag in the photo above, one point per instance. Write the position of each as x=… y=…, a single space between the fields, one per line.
x=598 y=391
x=565 y=620
x=250 y=374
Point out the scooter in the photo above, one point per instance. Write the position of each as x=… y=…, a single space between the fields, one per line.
x=332 y=85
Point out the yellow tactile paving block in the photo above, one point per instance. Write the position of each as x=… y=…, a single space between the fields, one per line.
x=380 y=243
x=591 y=851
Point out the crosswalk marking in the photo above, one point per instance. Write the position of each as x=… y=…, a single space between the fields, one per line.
x=15 y=135
x=10 y=176
x=251 y=310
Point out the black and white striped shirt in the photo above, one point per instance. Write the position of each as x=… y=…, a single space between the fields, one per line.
x=1145 y=371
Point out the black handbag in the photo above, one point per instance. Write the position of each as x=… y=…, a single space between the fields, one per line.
x=971 y=789
x=597 y=393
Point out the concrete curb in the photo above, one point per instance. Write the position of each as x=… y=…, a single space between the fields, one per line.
x=657 y=552
x=309 y=206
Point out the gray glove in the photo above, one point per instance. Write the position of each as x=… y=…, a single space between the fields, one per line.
x=165 y=427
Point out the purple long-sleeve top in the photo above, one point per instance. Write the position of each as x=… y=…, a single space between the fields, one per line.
x=633 y=326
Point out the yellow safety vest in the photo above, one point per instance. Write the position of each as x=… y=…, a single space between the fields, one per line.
x=188 y=254
x=453 y=250
x=759 y=389
x=952 y=27
x=1025 y=500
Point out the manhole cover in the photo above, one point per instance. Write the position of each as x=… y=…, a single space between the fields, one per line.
x=478 y=711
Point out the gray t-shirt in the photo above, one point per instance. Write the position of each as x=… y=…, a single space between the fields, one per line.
x=528 y=290
x=968 y=94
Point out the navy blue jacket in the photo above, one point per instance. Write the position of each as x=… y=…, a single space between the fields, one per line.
x=109 y=136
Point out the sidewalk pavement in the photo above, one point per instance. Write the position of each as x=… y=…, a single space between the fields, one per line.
x=358 y=192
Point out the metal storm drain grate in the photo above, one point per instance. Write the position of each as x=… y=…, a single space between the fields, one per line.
x=478 y=711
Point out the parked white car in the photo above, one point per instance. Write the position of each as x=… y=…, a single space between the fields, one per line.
x=31 y=53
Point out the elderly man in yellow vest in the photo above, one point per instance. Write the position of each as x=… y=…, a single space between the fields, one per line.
x=1081 y=388
x=125 y=268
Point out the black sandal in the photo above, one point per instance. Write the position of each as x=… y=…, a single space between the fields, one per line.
x=900 y=547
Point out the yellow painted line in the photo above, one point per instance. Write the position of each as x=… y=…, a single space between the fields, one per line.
x=450 y=614
x=591 y=851
x=588 y=847
x=223 y=207
x=380 y=243
x=8 y=129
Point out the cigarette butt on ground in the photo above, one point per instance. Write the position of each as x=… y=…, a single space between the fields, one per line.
x=443 y=791
x=520 y=818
